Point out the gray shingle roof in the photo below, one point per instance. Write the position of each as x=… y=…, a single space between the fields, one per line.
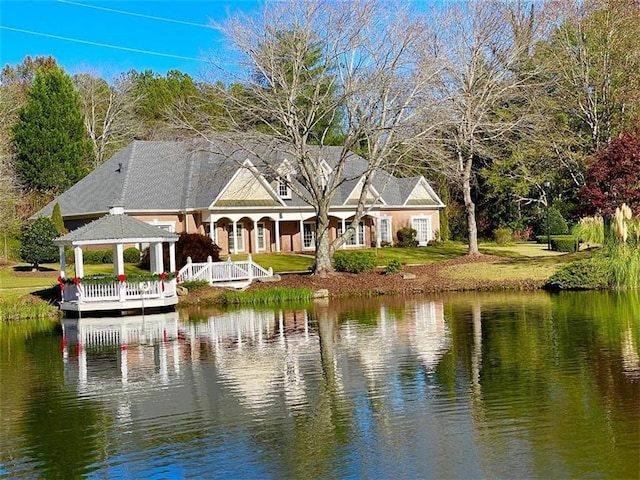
x=174 y=176
x=117 y=228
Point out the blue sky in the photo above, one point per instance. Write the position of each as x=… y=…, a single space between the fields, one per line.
x=175 y=31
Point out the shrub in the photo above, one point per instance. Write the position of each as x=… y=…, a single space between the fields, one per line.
x=354 y=262
x=557 y=224
x=502 y=236
x=394 y=266
x=407 y=237
x=564 y=243
x=523 y=234
x=589 y=274
x=131 y=255
x=193 y=245
x=37 y=242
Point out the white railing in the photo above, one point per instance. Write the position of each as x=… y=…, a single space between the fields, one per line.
x=228 y=273
x=118 y=291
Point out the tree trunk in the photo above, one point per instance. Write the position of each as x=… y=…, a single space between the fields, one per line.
x=324 y=252
x=470 y=207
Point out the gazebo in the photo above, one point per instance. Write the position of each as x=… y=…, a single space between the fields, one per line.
x=116 y=292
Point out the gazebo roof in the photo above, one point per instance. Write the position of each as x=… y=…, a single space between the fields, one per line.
x=116 y=228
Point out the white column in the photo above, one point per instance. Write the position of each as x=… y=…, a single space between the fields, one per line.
x=377 y=225
x=63 y=262
x=212 y=230
x=172 y=257
x=159 y=263
x=255 y=237
x=344 y=229
x=235 y=237
x=277 y=233
x=118 y=258
x=77 y=253
x=301 y=234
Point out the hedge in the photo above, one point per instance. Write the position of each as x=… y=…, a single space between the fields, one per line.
x=564 y=243
x=560 y=243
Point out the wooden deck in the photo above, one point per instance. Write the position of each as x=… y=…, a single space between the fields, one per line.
x=119 y=296
x=90 y=295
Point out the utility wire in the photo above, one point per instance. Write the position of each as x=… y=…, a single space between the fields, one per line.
x=123 y=12
x=105 y=45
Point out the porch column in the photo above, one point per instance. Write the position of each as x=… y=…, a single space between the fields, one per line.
x=301 y=234
x=63 y=262
x=255 y=248
x=212 y=231
x=344 y=229
x=235 y=237
x=118 y=259
x=377 y=224
x=277 y=233
x=77 y=253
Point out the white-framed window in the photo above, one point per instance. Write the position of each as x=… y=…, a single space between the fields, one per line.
x=357 y=239
x=385 y=232
x=284 y=190
x=308 y=235
x=239 y=240
x=168 y=226
x=422 y=225
x=261 y=239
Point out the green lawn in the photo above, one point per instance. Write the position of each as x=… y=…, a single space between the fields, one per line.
x=521 y=261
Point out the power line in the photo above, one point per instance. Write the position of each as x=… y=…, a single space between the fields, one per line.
x=104 y=45
x=134 y=14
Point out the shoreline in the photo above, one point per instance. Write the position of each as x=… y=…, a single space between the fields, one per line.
x=412 y=280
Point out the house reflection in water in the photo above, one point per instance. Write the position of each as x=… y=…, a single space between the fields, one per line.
x=243 y=360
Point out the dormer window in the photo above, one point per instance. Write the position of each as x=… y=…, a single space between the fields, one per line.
x=284 y=190
x=325 y=171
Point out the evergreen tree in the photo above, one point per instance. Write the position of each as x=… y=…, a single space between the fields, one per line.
x=52 y=145
x=37 y=242
x=56 y=217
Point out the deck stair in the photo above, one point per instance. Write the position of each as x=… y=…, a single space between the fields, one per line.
x=238 y=274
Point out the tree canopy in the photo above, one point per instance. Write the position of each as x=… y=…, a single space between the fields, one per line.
x=613 y=177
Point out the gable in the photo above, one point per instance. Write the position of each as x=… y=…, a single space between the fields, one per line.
x=422 y=195
x=370 y=199
x=245 y=189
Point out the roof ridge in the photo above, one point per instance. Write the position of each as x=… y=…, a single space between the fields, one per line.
x=125 y=181
x=190 y=189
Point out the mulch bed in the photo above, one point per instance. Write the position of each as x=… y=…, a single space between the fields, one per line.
x=428 y=279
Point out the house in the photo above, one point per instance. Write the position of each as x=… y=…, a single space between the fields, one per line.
x=242 y=200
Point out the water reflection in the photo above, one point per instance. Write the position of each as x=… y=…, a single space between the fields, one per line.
x=458 y=386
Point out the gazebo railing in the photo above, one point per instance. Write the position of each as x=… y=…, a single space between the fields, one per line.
x=118 y=291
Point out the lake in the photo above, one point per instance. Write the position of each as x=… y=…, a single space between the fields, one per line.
x=469 y=385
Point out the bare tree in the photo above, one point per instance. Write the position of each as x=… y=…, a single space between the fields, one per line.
x=306 y=63
x=109 y=112
x=481 y=47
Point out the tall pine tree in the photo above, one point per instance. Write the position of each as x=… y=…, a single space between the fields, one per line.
x=52 y=145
